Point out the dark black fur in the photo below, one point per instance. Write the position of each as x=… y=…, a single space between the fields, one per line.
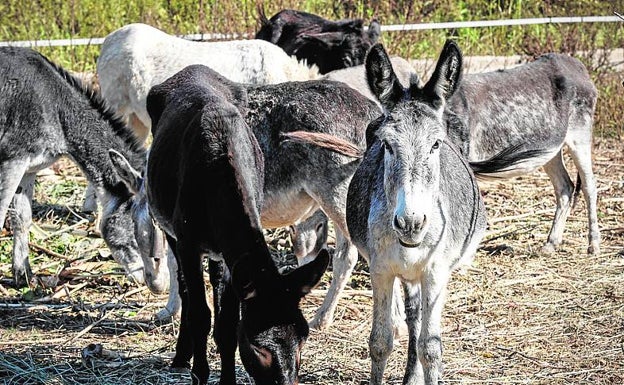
x=329 y=44
x=205 y=181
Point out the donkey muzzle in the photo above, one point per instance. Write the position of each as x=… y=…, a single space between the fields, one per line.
x=410 y=229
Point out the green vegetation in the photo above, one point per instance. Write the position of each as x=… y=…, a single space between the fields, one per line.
x=56 y=19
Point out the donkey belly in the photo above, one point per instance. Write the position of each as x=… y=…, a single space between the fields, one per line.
x=286 y=208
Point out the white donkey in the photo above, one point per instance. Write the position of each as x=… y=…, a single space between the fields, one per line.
x=136 y=57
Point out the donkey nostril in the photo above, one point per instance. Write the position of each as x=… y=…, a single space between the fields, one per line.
x=399 y=222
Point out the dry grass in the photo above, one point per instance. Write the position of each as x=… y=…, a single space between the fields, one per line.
x=513 y=316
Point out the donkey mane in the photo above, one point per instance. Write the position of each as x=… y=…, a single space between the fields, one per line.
x=98 y=103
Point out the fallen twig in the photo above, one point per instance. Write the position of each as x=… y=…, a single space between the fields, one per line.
x=49 y=252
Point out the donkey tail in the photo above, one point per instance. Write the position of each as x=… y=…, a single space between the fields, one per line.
x=323 y=140
x=507 y=161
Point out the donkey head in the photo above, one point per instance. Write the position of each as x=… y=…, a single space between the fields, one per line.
x=137 y=228
x=411 y=134
x=334 y=50
x=309 y=237
x=272 y=329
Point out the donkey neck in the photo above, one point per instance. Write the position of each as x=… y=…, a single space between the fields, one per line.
x=91 y=130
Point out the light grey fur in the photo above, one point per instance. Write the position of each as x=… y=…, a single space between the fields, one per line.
x=414 y=209
x=546 y=104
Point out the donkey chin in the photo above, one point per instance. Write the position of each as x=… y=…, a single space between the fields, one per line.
x=157 y=280
x=411 y=241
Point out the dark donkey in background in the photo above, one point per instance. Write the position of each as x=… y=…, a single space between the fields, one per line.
x=331 y=45
x=545 y=104
x=45 y=113
x=205 y=181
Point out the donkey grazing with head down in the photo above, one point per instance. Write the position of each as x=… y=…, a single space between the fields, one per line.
x=45 y=113
x=414 y=208
x=205 y=178
x=547 y=104
x=308 y=238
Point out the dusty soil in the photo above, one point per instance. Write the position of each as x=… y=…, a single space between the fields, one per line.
x=513 y=316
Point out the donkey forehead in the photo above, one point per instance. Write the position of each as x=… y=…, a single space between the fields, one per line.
x=413 y=122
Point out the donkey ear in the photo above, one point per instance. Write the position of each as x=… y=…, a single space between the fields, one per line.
x=323 y=39
x=304 y=278
x=353 y=25
x=374 y=31
x=156 y=103
x=447 y=74
x=381 y=78
x=127 y=173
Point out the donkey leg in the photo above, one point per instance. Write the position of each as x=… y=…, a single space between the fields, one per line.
x=581 y=155
x=174 y=302
x=226 y=309
x=184 y=343
x=399 y=326
x=198 y=313
x=563 y=192
x=11 y=174
x=343 y=261
x=90 y=200
x=21 y=219
x=429 y=342
x=381 y=339
x=413 y=370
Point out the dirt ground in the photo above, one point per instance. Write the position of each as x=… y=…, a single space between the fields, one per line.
x=515 y=316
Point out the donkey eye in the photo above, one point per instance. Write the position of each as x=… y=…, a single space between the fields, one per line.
x=435 y=146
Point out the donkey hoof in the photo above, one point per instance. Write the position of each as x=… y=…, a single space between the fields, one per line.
x=200 y=373
x=22 y=277
x=548 y=248
x=165 y=316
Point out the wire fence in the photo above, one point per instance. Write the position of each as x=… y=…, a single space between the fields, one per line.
x=384 y=28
